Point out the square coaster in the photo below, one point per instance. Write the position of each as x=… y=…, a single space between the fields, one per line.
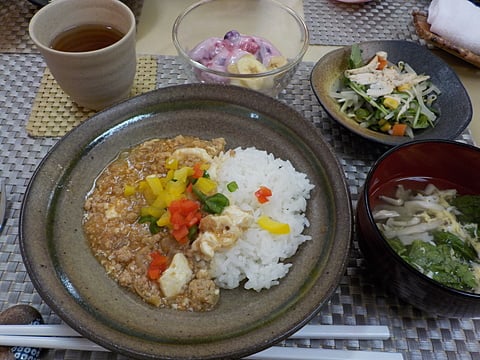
x=54 y=113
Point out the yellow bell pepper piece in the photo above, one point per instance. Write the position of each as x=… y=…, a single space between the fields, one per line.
x=176 y=188
x=272 y=226
x=164 y=220
x=183 y=174
x=205 y=166
x=160 y=201
x=171 y=164
x=206 y=186
x=151 y=211
x=155 y=184
x=129 y=190
x=149 y=195
x=142 y=185
x=168 y=198
x=168 y=177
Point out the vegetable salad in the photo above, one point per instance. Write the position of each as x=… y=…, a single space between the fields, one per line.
x=435 y=231
x=388 y=98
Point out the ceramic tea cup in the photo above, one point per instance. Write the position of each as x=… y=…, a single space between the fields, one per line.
x=89 y=47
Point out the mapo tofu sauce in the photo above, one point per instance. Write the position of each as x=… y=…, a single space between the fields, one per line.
x=126 y=247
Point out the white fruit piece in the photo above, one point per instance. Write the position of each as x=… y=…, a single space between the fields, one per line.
x=248 y=64
x=277 y=62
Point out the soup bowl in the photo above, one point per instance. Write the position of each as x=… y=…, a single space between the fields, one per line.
x=446 y=165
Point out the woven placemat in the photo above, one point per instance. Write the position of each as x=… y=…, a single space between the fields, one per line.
x=15 y=17
x=356 y=301
x=54 y=113
x=335 y=23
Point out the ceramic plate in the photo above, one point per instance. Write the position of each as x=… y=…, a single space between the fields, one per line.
x=453 y=103
x=39 y=2
x=75 y=285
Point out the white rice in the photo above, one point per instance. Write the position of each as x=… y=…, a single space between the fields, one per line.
x=258 y=255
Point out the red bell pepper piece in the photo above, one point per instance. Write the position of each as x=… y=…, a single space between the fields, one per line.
x=157 y=266
x=263 y=194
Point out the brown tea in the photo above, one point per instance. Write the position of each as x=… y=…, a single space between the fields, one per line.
x=87 y=37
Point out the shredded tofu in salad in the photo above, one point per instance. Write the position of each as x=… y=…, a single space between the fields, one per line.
x=384 y=97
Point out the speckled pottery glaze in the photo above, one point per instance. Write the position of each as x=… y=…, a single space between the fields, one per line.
x=454 y=103
x=72 y=282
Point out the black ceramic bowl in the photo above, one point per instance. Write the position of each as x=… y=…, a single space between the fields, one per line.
x=453 y=103
x=446 y=164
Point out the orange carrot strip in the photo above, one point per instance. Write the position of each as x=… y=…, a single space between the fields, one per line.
x=382 y=62
x=399 y=129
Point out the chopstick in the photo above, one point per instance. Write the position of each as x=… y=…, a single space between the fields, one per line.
x=346 y=332
x=50 y=342
x=64 y=337
x=3 y=204
x=297 y=353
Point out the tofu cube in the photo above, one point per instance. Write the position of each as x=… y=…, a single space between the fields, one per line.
x=176 y=277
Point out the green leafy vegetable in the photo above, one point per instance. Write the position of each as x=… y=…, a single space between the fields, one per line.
x=463 y=250
x=437 y=262
x=355 y=59
x=152 y=221
x=469 y=206
x=192 y=232
x=216 y=203
x=213 y=204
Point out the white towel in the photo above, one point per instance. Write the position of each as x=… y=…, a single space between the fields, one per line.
x=457 y=21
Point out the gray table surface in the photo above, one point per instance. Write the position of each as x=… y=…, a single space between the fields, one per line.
x=358 y=300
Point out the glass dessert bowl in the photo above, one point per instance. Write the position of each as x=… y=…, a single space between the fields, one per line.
x=241 y=43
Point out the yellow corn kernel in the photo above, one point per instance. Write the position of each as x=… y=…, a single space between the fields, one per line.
x=391 y=103
x=206 y=186
x=385 y=127
x=151 y=211
x=155 y=184
x=381 y=122
x=129 y=190
x=404 y=87
x=171 y=164
x=272 y=226
x=183 y=173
